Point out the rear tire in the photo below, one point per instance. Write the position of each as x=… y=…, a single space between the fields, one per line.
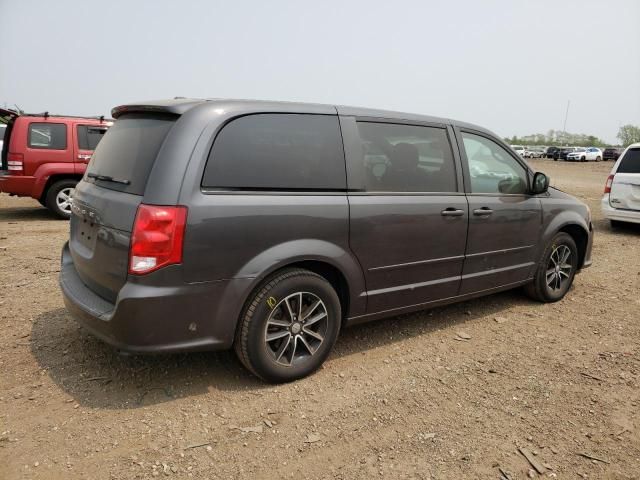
x=289 y=326
x=598 y=159
x=58 y=198
x=556 y=270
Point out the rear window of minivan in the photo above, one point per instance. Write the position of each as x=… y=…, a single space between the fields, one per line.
x=630 y=163
x=285 y=152
x=128 y=151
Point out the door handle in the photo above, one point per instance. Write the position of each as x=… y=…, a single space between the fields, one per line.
x=452 y=212
x=84 y=157
x=483 y=212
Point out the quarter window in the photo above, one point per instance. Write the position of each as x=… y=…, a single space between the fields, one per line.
x=52 y=136
x=277 y=152
x=406 y=158
x=491 y=168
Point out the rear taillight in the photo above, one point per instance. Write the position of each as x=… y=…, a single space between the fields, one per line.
x=15 y=162
x=607 y=185
x=156 y=241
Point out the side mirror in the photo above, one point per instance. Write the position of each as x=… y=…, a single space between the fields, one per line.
x=540 y=183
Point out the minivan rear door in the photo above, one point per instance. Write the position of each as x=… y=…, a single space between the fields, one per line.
x=106 y=200
x=408 y=214
x=625 y=189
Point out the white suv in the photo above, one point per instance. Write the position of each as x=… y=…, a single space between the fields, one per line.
x=621 y=201
x=585 y=154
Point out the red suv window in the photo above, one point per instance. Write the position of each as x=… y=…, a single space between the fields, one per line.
x=51 y=136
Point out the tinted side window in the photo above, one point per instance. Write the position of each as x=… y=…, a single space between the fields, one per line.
x=492 y=168
x=52 y=136
x=630 y=163
x=278 y=152
x=406 y=158
x=89 y=136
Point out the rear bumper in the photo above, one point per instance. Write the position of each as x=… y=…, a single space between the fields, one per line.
x=156 y=319
x=21 y=185
x=631 y=216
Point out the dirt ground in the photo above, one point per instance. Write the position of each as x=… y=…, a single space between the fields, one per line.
x=399 y=398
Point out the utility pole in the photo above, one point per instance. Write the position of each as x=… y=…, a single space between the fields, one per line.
x=564 y=127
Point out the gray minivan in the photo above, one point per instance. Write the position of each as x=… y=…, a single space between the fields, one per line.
x=267 y=227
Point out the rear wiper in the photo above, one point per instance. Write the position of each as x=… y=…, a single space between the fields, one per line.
x=107 y=178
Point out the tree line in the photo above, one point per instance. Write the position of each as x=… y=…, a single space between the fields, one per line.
x=627 y=134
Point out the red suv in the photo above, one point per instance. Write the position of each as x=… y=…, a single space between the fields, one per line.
x=44 y=156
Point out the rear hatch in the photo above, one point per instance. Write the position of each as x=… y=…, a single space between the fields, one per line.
x=106 y=200
x=625 y=189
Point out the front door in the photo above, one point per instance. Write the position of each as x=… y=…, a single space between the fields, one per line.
x=504 y=220
x=408 y=222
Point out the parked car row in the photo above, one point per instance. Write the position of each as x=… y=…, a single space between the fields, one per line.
x=44 y=156
x=579 y=154
x=529 y=152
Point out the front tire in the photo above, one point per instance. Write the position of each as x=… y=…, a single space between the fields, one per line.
x=289 y=326
x=59 y=196
x=598 y=159
x=556 y=270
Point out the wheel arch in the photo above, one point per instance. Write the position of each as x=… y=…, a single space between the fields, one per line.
x=55 y=178
x=331 y=274
x=328 y=259
x=580 y=236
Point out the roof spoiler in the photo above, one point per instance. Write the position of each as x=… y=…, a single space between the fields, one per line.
x=175 y=106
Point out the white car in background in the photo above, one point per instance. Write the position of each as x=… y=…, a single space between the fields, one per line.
x=534 y=152
x=585 y=155
x=519 y=150
x=621 y=200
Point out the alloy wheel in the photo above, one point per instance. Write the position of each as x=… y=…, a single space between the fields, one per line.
x=64 y=199
x=559 y=268
x=296 y=328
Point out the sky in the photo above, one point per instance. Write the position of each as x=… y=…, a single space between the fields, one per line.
x=510 y=66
